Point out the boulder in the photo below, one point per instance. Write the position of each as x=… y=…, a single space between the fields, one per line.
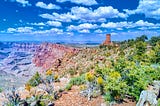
x=150 y=96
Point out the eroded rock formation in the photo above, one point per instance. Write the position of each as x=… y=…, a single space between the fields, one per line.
x=49 y=55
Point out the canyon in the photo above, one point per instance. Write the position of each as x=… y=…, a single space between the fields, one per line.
x=19 y=61
x=16 y=65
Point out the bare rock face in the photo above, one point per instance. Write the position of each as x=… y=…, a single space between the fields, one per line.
x=49 y=55
x=150 y=96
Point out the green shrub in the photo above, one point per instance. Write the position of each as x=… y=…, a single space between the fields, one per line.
x=116 y=88
x=68 y=87
x=1 y=90
x=72 y=72
x=35 y=80
x=78 y=80
x=75 y=81
x=158 y=102
x=108 y=97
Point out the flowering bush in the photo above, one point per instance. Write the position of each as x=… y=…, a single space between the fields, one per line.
x=49 y=72
x=100 y=81
x=89 y=76
x=28 y=87
x=35 y=80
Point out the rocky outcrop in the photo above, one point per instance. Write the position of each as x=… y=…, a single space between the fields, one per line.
x=49 y=55
x=150 y=96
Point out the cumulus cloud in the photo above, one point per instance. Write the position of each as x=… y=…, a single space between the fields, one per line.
x=150 y=8
x=84 y=26
x=132 y=34
x=98 y=31
x=47 y=6
x=116 y=24
x=38 y=24
x=23 y=2
x=47 y=16
x=30 y=30
x=50 y=31
x=20 y=30
x=84 y=31
x=83 y=2
x=126 y=24
x=86 y=15
x=48 y=23
x=54 y=23
x=59 y=17
x=11 y=30
x=100 y=13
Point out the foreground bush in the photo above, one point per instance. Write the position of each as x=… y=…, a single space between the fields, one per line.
x=35 y=80
x=76 y=81
x=1 y=90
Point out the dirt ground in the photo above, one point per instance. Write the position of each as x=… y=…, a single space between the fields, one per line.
x=73 y=98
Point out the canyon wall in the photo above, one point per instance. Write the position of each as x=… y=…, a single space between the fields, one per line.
x=49 y=55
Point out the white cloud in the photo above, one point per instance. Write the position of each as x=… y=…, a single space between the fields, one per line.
x=82 y=27
x=59 y=17
x=143 y=23
x=4 y=19
x=120 y=25
x=98 y=31
x=83 y=2
x=23 y=2
x=32 y=31
x=47 y=6
x=11 y=30
x=48 y=23
x=25 y=29
x=119 y=28
x=132 y=34
x=84 y=31
x=56 y=30
x=113 y=25
x=69 y=33
x=38 y=24
x=100 y=13
x=54 y=23
x=150 y=8
x=116 y=25
x=50 y=31
x=47 y=16
x=85 y=14
x=20 y=30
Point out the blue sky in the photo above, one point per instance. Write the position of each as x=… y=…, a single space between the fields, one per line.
x=78 y=20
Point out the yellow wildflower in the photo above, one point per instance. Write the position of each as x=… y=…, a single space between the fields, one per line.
x=100 y=80
x=28 y=87
x=56 y=77
x=89 y=76
x=83 y=87
x=115 y=74
x=49 y=72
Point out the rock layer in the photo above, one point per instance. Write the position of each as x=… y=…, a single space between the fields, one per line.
x=48 y=54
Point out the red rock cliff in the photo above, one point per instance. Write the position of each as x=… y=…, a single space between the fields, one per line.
x=48 y=54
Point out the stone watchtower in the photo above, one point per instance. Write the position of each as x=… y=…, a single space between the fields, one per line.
x=108 y=40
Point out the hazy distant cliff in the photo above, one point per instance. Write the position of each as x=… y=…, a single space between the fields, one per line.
x=16 y=60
